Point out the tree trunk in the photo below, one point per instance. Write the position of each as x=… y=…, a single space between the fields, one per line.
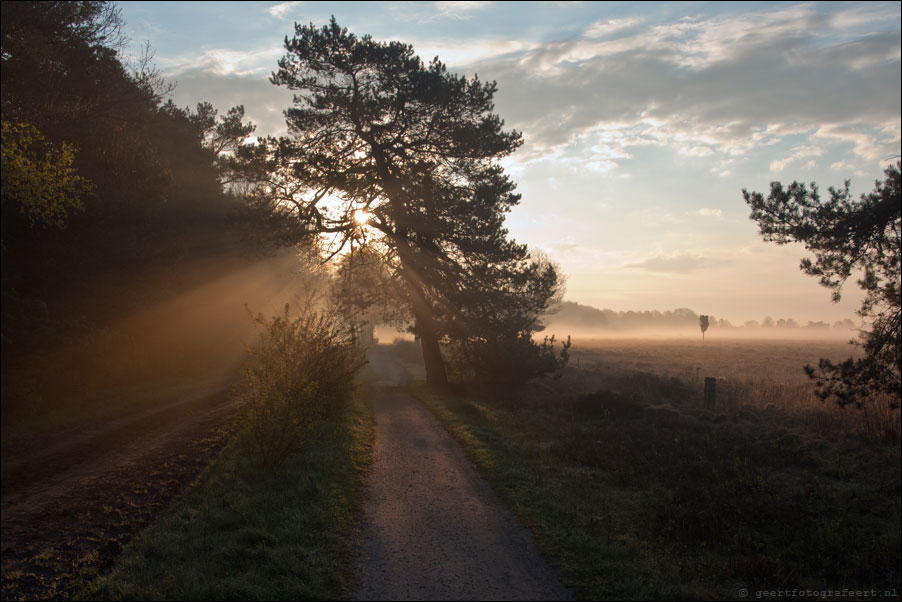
x=436 y=376
x=432 y=355
x=425 y=329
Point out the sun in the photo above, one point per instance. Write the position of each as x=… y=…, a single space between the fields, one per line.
x=362 y=216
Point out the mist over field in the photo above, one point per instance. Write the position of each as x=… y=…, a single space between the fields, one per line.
x=585 y=322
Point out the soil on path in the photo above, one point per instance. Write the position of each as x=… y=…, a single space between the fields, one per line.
x=70 y=501
x=433 y=529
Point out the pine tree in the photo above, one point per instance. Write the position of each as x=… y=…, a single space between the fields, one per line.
x=387 y=151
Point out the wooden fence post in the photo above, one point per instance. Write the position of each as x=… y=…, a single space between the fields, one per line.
x=710 y=392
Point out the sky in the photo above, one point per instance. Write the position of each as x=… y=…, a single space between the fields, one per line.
x=643 y=123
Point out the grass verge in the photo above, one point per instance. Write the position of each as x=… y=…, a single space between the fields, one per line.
x=243 y=533
x=631 y=501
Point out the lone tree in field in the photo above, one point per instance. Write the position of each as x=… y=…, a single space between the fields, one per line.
x=703 y=324
x=848 y=236
x=403 y=157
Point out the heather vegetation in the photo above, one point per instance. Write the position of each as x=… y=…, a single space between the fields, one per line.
x=634 y=490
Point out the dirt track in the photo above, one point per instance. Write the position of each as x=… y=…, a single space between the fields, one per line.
x=72 y=500
x=433 y=529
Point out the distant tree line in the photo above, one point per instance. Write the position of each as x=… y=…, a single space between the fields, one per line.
x=577 y=316
x=585 y=316
x=769 y=322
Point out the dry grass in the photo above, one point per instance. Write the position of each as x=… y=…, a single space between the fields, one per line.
x=764 y=375
x=634 y=490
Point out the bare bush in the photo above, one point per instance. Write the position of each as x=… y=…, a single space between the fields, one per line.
x=304 y=368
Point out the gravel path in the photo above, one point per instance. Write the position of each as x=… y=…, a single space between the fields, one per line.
x=433 y=529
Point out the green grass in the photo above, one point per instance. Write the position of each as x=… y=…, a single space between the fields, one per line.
x=560 y=504
x=628 y=502
x=241 y=532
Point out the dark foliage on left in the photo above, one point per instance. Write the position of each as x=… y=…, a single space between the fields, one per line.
x=111 y=197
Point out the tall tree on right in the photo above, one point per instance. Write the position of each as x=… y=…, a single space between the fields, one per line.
x=848 y=236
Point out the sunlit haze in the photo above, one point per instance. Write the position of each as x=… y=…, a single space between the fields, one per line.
x=361 y=217
x=642 y=123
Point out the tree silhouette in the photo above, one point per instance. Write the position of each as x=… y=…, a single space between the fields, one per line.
x=703 y=324
x=403 y=157
x=846 y=236
x=101 y=180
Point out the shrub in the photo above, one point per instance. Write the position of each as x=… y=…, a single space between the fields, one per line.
x=505 y=363
x=610 y=403
x=304 y=368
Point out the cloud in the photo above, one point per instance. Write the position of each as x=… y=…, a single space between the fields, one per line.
x=710 y=87
x=868 y=145
x=679 y=264
x=778 y=165
x=603 y=29
x=466 y=52
x=264 y=103
x=459 y=9
x=283 y=8
x=841 y=166
x=582 y=256
x=225 y=62
x=863 y=14
x=798 y=154
x=423 y=12
x=708 y=212
x=695 y=151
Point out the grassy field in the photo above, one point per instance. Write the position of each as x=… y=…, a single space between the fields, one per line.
x=245 y=533
x=635 y=491
x=751 y=373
